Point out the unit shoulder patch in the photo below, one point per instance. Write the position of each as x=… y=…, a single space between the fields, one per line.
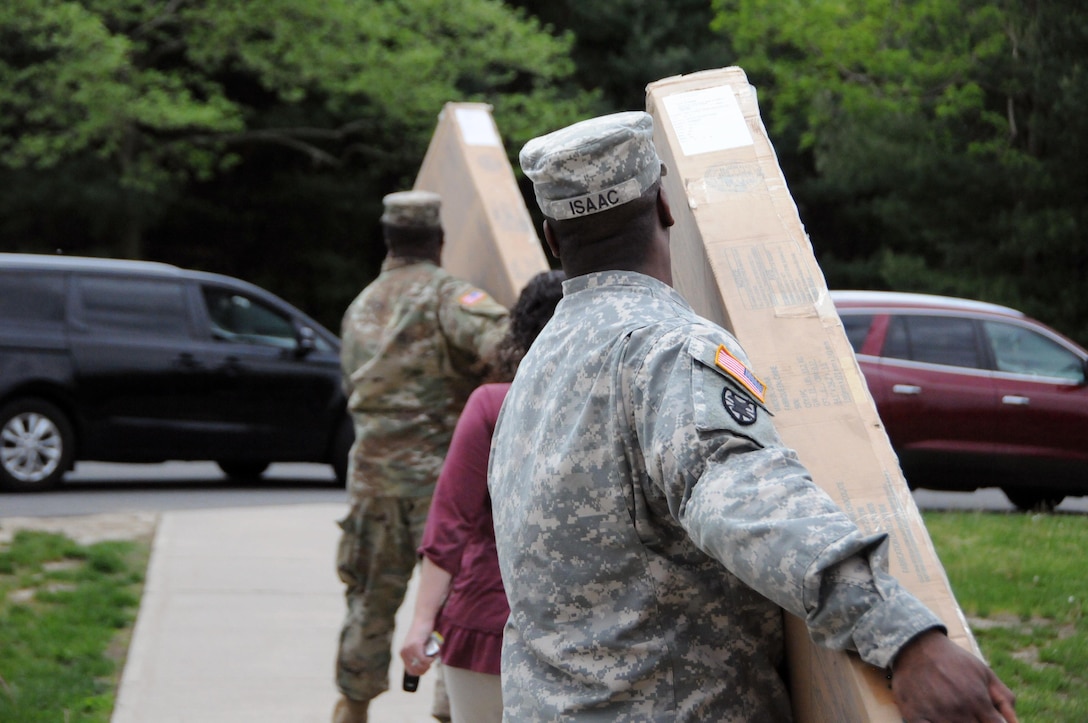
x=742 y=409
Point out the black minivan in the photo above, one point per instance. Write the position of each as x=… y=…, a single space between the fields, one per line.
x=136 y=361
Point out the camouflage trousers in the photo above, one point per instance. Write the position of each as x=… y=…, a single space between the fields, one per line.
x=375 y=559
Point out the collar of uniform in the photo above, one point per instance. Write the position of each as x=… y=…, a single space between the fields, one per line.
x=396 y=262
x=628 y=280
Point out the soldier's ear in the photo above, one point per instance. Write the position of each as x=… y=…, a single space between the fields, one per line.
x=664 y=210
x=549 y=238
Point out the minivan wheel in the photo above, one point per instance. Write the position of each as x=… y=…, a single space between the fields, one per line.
x=1033 y=500
x=36 y=445
x=242 y=470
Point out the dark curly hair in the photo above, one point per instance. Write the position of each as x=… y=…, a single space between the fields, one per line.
x=533 y=309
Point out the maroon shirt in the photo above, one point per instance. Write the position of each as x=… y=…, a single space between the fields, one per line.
x=460 y=538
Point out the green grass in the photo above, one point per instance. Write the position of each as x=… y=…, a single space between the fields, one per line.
x=66 y=615
x=1022 y=581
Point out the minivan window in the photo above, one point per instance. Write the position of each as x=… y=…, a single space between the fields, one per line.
x=31 y=296
x=149 y=306
x=1023 y=351
x=935 y=340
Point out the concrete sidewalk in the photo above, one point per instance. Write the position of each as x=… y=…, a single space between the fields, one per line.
x=239 y=622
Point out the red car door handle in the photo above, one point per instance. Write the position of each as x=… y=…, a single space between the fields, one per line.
x=1015 y=400
x=906 y=389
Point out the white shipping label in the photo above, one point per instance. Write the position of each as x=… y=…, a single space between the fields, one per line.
x=477 y=128
x=707 y=120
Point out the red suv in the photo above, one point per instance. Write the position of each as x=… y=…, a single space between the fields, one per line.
x=974 y=394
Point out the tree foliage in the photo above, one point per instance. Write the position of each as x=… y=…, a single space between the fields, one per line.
x=940 y=141
x=143 y=118
x=932 y=145
x=622 y=45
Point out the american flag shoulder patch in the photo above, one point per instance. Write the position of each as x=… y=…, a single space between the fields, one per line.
x=471 y=297
x=735 y=368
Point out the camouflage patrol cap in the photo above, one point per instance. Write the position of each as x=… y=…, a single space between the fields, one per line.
x=418 y=209
x=593 y=165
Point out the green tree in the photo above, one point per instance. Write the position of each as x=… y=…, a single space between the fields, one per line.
x=933 y=144
x=218 y=133
x=620 y=46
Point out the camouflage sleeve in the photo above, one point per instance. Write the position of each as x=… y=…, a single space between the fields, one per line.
x=351 y=349
x=746 y=500
x=472 y=321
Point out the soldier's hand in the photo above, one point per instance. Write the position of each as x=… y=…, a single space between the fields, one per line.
x=933 y=679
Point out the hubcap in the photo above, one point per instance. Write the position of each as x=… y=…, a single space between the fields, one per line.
x=30 y=447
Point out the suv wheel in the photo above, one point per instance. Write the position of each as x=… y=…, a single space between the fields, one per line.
x=36 y=445
x=1033 y=501
x=246 y=471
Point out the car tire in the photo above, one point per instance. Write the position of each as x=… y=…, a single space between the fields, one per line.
x=341 y=450
x=1033 y=500
x=37 y=445
x=243 y=471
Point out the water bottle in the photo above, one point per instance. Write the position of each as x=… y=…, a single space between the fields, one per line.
x=430 y=649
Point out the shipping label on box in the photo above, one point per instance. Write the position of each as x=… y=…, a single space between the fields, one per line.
x=742 y=258
x=490 y=239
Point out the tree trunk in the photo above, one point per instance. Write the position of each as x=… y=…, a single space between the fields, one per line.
x=131 y=234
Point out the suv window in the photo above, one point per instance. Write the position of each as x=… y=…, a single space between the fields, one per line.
x=31 y=297
x=857 y=328
x=151 y=307
x=1023 y=351
x=934 y=340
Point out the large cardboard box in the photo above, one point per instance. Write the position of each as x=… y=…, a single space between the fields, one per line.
x=742 y=258
x=490 y=239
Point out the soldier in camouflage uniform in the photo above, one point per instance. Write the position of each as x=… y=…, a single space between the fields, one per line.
x=650 y=523
x=413 y=344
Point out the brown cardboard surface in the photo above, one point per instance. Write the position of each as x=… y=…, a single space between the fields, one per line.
x=490 y=239
x=742 y=258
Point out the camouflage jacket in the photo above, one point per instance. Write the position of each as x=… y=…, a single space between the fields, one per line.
x=412 y=345
x=650 y=524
